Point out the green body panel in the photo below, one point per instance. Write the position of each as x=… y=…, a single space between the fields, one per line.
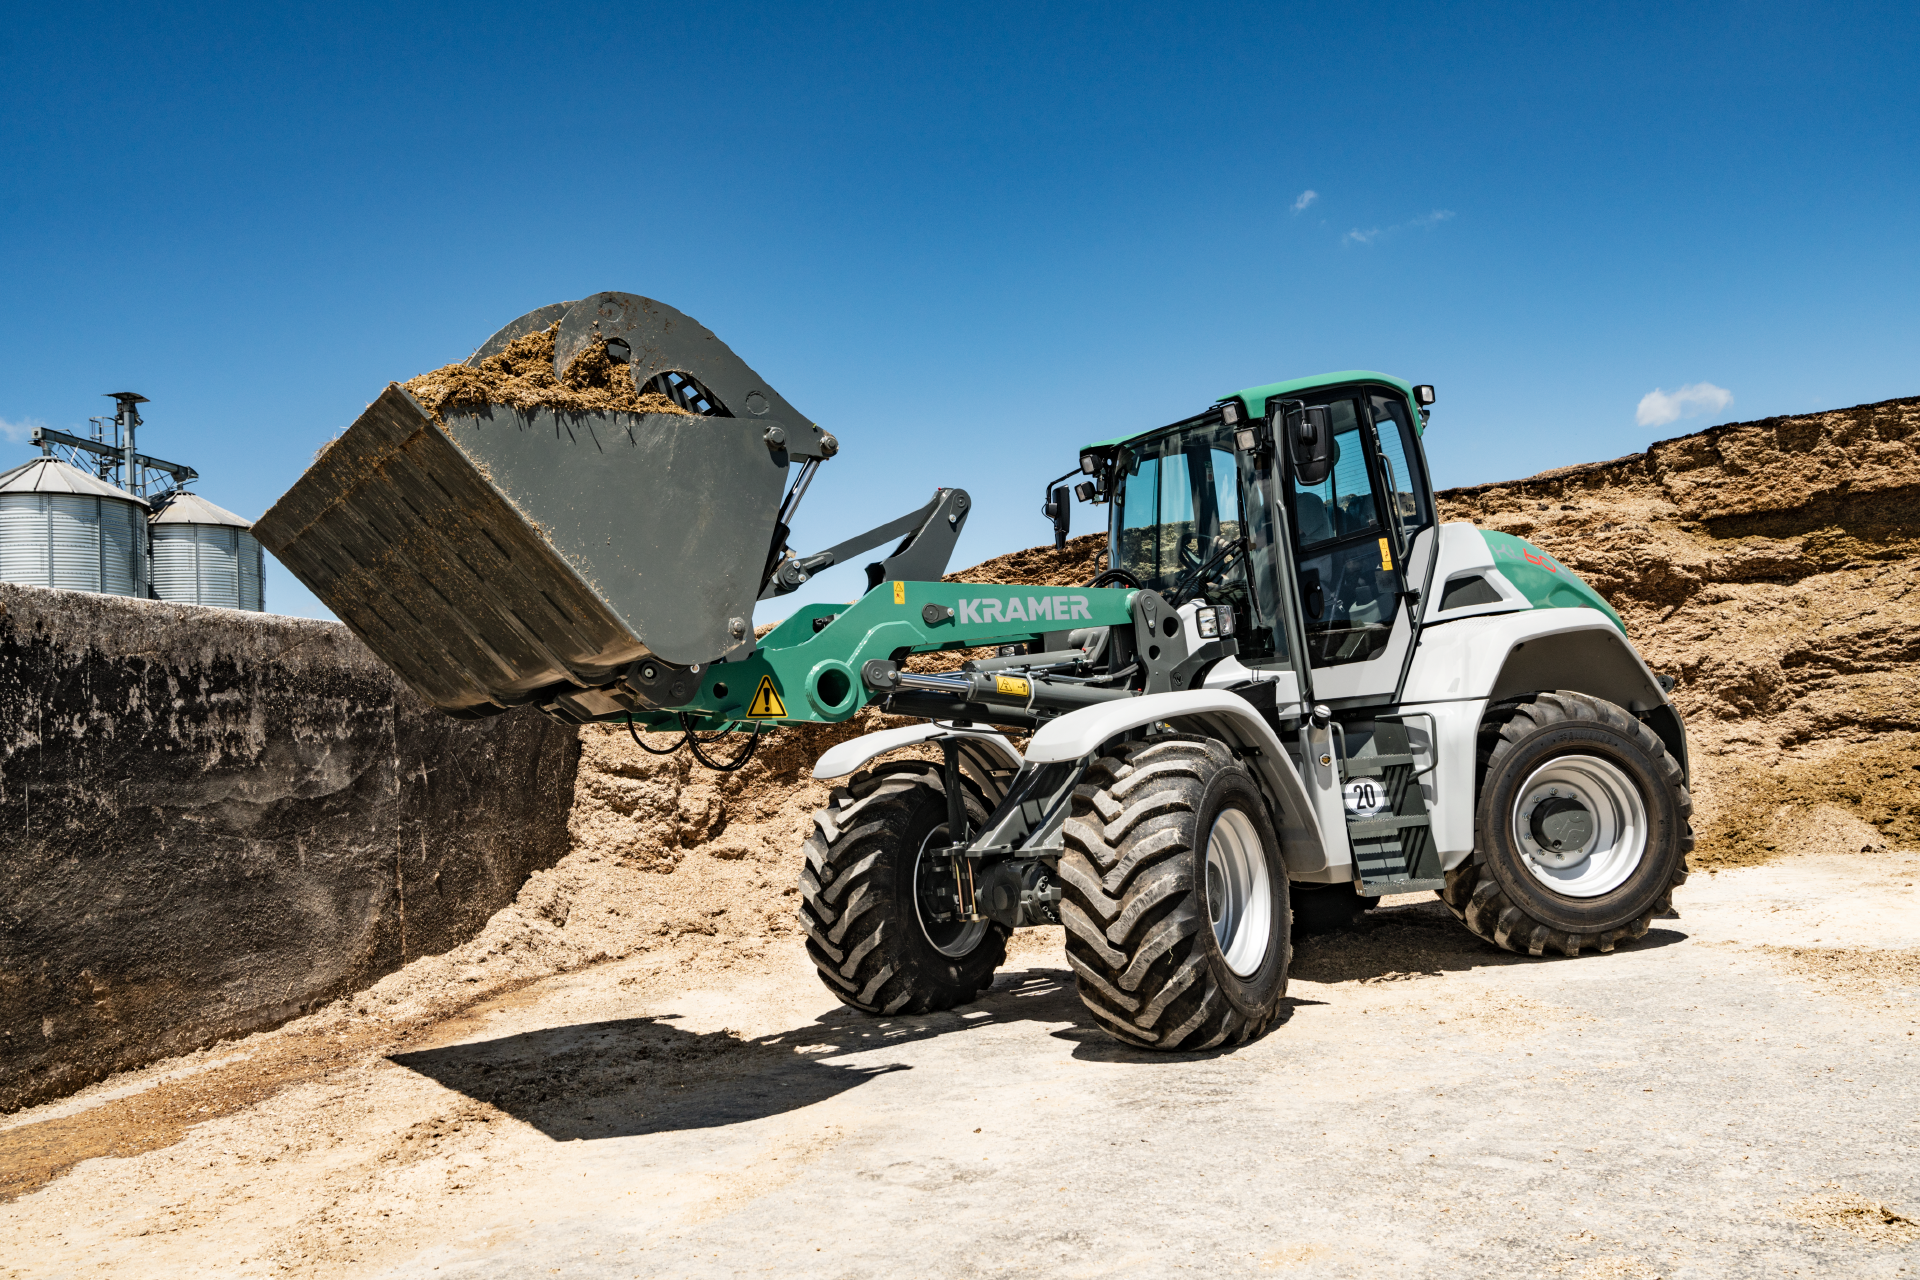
x=816 y=675
x=1541 y=578
x=1254 y=399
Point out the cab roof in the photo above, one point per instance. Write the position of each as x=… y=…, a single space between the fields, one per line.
x=1254 y=399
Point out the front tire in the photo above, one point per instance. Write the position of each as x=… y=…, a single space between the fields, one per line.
x=1580 y=833
x=1175 y=897
x=869 y=932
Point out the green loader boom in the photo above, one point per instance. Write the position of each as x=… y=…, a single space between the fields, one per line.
x=810 y=669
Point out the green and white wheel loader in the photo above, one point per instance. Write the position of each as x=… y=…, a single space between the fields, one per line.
x=1292 y=691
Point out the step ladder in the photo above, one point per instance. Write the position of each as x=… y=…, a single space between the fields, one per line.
x=1388 y=824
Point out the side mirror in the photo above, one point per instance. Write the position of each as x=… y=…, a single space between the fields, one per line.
x=1060 y=511
x=1309 y=441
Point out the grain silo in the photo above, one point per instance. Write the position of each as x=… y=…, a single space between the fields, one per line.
x=203 y=554
x=60 y=527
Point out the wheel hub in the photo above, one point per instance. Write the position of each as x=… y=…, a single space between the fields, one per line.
x=936 y=898
x=1562 y=827
x=1581 y=825
x=1239 y=892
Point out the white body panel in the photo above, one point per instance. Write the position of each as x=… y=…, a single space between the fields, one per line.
x=1449 y=788
x=1229 y=672
x=1321 y=773
x=1465 y=554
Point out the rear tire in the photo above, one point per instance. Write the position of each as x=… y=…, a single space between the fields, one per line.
x=1581 y=831
x=859 y=906
x=1175 y=897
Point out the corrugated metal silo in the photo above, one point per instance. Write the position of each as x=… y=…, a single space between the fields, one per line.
x=60 y=527
x=203 y=554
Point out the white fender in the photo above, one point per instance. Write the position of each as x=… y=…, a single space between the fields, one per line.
x=1218 y=714
x=839 y=761
x=1486 y=657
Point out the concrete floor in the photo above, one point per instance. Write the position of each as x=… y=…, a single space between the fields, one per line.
x=1430 y=1107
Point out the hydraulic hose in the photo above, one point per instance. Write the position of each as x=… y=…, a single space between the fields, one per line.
x=688 y=738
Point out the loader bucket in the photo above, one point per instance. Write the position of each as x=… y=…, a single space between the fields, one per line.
x=587 y=562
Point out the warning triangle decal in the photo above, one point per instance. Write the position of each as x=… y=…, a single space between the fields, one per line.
x=766 y=704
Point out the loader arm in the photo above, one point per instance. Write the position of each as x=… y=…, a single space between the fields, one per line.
x=820 y=664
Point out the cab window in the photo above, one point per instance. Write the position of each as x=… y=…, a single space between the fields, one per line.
x=1400 y=452
x=1349 y=531
x=1185 y=497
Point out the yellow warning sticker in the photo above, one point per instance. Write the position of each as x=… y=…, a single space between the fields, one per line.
x=1386 y=557
x=1011 y=686
x=899 y=591
x=766 y=704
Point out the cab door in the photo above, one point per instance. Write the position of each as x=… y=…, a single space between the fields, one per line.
x=1362 y=537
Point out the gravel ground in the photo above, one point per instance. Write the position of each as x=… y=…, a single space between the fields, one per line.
x=1731 y=1097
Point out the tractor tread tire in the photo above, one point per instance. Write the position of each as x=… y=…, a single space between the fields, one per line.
x=1137 y=930
x=868 y=950
x=1477 y=899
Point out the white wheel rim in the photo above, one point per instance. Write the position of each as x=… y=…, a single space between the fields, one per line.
x=969 y=936
x=1581 y=858
x=1239 y=892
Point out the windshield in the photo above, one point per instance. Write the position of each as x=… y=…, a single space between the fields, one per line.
x=1183 y=498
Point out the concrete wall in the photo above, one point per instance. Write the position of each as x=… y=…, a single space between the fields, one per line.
x=213 y=821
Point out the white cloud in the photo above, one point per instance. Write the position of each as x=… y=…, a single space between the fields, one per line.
x=1371 y=234
x=1657 y=407
x=18 y=432
x=1306 y=198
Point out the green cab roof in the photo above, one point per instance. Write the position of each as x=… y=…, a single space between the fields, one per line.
x=1254 y=399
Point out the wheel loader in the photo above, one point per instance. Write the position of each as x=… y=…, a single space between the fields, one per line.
x=1293 y=689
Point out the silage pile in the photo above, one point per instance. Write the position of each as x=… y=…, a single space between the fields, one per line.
x=522 y=377
x=1773 y=567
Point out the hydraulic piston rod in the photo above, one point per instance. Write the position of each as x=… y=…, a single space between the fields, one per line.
x=989 y=689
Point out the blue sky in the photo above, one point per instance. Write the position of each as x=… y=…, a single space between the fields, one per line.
x=966 y=238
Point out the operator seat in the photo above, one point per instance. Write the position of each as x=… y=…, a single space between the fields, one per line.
x=1315 y=525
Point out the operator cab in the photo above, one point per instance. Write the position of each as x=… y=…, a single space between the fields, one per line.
x=1321 y=564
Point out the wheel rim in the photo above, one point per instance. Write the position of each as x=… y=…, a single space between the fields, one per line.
x=1581 y=825
x=1239 y=892
x=952 y=938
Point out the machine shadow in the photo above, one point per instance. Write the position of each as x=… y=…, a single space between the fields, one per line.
x=1423 y=940
x=631 y=1076
x=1394 y=943
x=1091 y=1044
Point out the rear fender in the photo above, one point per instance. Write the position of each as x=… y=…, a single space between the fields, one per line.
x=983 y=754
x=1512 y=655
x=1215 y=713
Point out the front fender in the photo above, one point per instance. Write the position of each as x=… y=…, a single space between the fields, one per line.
x=1217 y=714
x=982 y=751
